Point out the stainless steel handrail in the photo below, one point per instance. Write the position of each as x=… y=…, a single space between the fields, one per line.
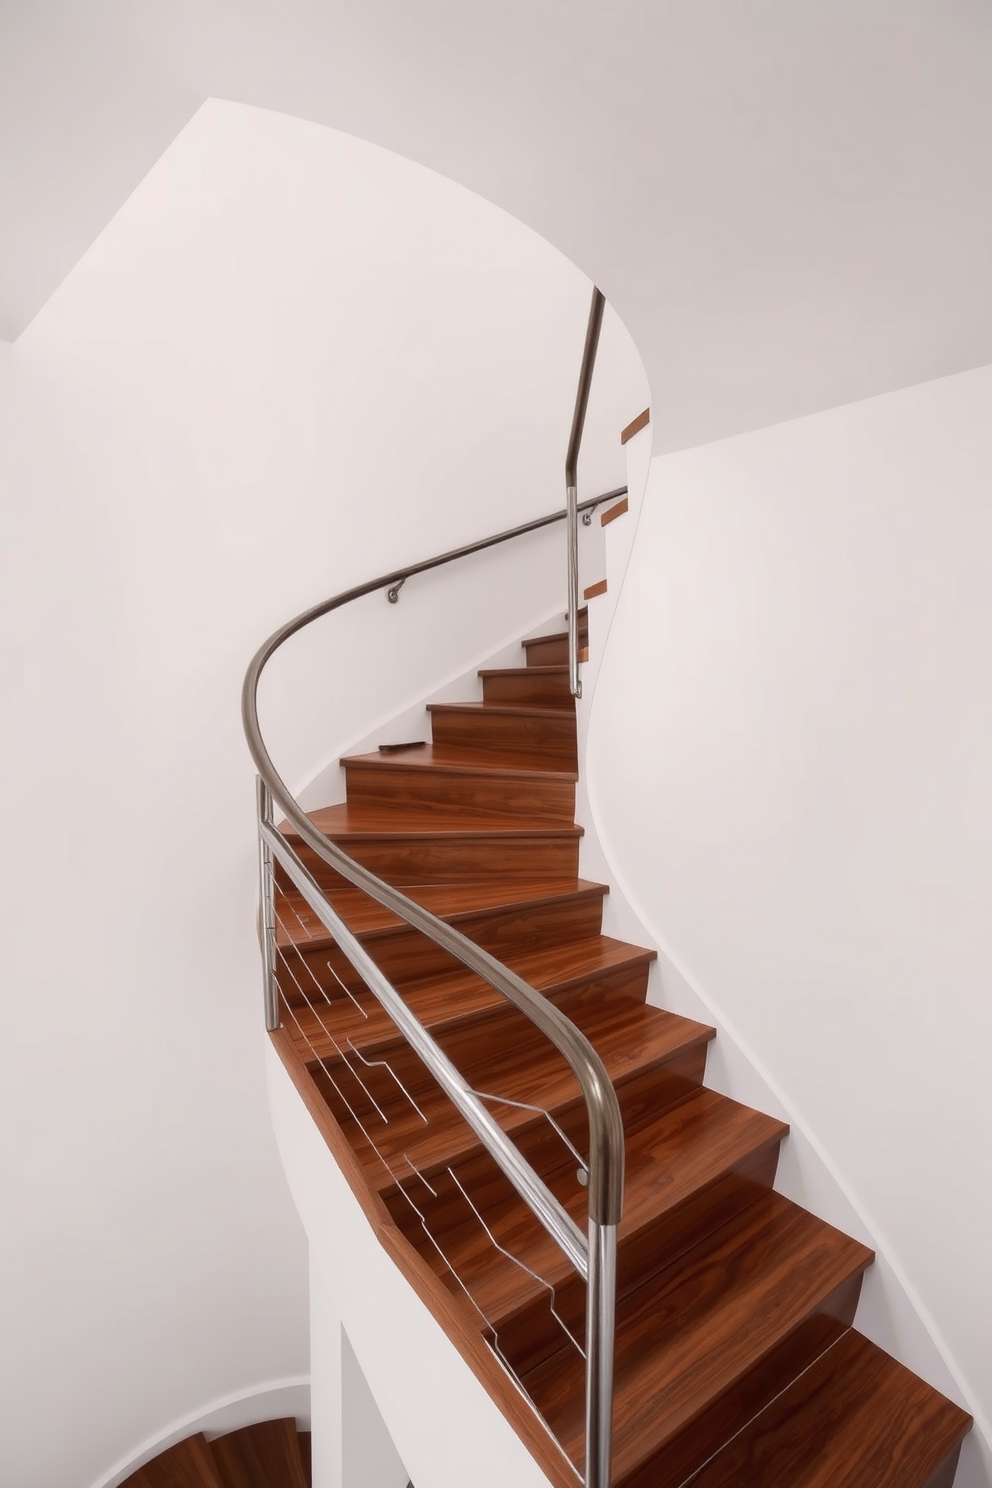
x=595 y=1255
x=593 y=328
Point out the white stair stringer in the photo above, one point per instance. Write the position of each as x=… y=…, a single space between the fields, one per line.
x=446 y=1429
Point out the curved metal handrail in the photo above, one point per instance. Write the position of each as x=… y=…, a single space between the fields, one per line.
x=606 y=1148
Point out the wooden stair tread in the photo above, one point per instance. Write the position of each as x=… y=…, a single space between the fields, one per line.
x=266 y=1455
x=628 y=1039
x=681 y=1153
x=696 y=1330
x=449 y=901
x=525 y=671
x=510 y=710
x=456 y=997
x=456 y=759
x=188 y=1464
x=855 y=1418
x=371 y=820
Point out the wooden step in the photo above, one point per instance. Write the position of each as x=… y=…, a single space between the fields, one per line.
x=688 y=1171
x=506 y=919
x=266 y=1455
x=306 y=1457
x=188 y=1464
x=529 y=686
x=650 y=1055
x=856 y=1418
x=573 y=976
x=548 y=732
x=469 y=781
x=429 y=845
x=711 y=1341
x=552 y=649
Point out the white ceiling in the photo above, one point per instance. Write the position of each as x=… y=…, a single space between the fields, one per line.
x=787 y=200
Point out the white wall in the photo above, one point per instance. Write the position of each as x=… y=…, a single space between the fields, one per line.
x=789 y=752
x=277 y=372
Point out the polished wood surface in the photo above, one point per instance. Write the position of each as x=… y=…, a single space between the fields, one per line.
x=266 y=1455
x=856 y=1418
x=573 y=975
x=595 y=590
x=635 y=426
x=618 y=509
x=536 y=686
x=700 y=1345
x=548 y=732
x=732 y=1300
x=186 y=1465
x=466 y=780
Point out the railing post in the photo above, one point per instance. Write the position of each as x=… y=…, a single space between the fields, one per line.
x=266 y=907
x=572 y=542
x=600 y=1330
x=596 y=308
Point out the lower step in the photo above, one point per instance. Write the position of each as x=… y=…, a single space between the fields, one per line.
x=856 y=1419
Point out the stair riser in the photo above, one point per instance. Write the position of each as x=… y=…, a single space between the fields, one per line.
x=410 y=860
x=482 y=795
x=405 y=955
x=687 y=1453
x=535 y=691
x=550 y=739
x=477 y=1030
x=552 y=652
x=532 y=1334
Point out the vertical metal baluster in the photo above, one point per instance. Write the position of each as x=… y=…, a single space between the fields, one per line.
x=267 y=908
x=600 y=1329
x=593 y=329
x=572 y=542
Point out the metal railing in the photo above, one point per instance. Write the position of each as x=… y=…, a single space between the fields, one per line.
x=593 y=328
x=592 y=1254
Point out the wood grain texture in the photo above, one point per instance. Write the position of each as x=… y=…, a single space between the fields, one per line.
x=856 y=1418
x=397 y=1138
x=572 y=976
x=538 y=924
x=188 y=1464
x=536 y=686
x=635 y=426
x=709 y=1338
x=547 y=732
x=418 y=845
x=265 y=1455
x=438 y=776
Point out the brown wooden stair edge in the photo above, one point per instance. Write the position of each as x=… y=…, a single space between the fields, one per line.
x=265 y=1454
x=299 y=926
x=635 y=426
x=595 y=590
x=450 y=759
x=457 y=1320
x=619 y=509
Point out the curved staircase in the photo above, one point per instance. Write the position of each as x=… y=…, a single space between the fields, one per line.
x=736 y=1360
x=271 y=1454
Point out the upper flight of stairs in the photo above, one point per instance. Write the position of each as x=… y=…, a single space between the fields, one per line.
x=736 y=1361
x=271 y=1454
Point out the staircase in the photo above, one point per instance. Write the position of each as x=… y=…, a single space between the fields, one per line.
x=272 y=1454
x=736 y=1360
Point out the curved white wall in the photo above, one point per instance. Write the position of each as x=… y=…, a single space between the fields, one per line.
x=789 y=752
x=277 y=372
